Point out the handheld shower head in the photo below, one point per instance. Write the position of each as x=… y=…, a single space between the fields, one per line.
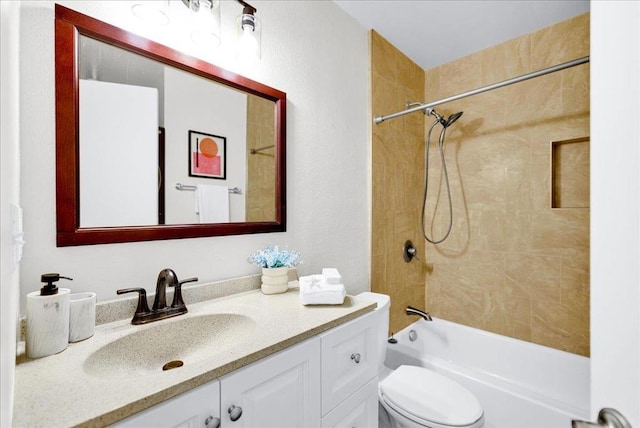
x=444 y=121
x=453 y=118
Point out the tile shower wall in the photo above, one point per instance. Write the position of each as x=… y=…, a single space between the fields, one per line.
x=512 y=265
x=261 y=166
x=397 y=171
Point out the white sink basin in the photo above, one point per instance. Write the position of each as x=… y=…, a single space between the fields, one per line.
x=188 y=340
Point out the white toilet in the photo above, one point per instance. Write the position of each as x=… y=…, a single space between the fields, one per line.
x=416 y=397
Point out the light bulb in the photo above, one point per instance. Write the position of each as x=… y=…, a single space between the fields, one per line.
x=248 y=46
x=206 y=22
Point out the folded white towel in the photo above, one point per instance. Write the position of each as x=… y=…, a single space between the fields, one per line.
x=332 y=276
x=314 y=290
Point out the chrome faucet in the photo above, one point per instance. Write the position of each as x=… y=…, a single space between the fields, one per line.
x=413 y=311
x=160 y=310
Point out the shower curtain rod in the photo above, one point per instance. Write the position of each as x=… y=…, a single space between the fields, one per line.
x=553 y=69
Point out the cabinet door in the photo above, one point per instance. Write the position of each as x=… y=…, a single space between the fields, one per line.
x=349 y=360
x=198 y=408
x=280 y=391
x=358 y=411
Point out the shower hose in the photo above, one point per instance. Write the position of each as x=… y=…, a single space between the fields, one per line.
x=426 y=185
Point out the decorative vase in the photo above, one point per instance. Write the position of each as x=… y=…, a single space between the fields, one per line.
x=275 y=280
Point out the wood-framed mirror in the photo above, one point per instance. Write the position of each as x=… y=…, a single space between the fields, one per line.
x=246 y=154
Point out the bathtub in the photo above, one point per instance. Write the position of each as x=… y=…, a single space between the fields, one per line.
x=519 y=384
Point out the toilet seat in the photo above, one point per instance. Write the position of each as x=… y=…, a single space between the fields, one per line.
x=430 y=399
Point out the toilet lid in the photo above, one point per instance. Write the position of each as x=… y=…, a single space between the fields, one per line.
x=422 y=394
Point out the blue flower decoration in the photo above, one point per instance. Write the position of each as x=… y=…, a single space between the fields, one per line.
x=273 y=257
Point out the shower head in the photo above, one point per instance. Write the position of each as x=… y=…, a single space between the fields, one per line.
x=444 y=121
x=452 y=119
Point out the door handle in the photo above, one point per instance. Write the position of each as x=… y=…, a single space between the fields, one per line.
x=607 y=418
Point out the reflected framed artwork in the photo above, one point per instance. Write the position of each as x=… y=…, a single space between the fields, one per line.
x=207 y=155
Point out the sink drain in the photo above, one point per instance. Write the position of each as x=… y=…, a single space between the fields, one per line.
x=172 y=365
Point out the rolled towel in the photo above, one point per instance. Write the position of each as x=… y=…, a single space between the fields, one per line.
x=314 y=290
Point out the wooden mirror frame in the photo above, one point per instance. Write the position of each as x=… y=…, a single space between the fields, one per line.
x=69 y=25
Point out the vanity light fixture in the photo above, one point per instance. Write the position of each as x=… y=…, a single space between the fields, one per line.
x=249 y=35
x=205 y=18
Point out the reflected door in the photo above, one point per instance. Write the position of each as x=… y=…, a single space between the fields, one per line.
x=118 y=154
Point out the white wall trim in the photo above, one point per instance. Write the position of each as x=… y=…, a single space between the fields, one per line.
x=615 y=207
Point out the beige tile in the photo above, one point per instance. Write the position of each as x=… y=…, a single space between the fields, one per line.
x=383 y=56
x=575 y=90
x=506 y=60
x=558 y=325
x=461 y=75
x=517 y=231
x=534 y=102
x=562 y=42
x=535 y=276
x=574 y=227
x=509 y=315
x=432 y=85
x=511 y=265
x=410 y=75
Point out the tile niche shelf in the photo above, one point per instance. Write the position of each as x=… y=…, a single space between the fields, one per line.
x=570 y=173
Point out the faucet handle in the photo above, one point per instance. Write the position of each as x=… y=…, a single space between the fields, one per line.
x=143 y=307
x=177 y=294
x=184 y=281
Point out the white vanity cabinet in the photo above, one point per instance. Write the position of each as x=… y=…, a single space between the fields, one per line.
x=360 y=410
x=350 y=374
x=198 y=408
x=279 y=391
x=329 y=380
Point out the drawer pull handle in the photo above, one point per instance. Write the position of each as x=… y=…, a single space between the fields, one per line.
x=234 y=413
x=355 y=357
x=212 y=422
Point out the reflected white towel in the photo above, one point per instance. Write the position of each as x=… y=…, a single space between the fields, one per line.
x=314 y=290
x=212 y=203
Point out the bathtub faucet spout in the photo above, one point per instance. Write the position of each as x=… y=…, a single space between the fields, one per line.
x=413 y=311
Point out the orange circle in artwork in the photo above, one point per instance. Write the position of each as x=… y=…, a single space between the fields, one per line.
x=208 y=147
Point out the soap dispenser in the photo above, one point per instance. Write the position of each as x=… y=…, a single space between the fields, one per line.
x=48 y=318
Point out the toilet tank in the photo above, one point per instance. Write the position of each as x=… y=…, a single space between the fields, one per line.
x=382 y=321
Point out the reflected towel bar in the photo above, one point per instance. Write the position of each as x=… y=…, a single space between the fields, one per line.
x=259 y=149
x=180 y=186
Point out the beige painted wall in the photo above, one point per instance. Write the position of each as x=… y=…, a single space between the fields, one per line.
x=513 y=265
x=398 y=170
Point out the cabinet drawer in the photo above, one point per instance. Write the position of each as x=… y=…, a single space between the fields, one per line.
x=349 y=360
x=358 y=411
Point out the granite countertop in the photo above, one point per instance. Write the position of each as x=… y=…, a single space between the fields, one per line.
x=58 y=391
